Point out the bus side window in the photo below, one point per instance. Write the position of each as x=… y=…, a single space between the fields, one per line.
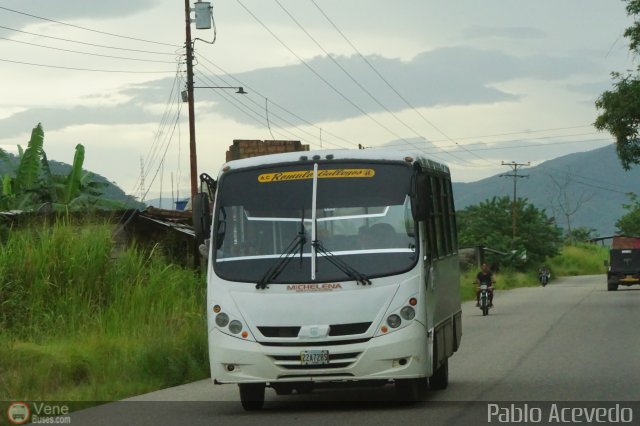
x=432 y=231
x=445 y=218
x=436 y=188
x=451 y=218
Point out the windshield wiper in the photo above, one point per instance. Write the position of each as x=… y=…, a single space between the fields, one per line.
x=341 y=264
x=280 y=265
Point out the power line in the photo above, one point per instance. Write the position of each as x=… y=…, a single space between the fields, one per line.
x=87 y=29
x=84 y=69
x=85 y=43
x=573 y=175
x=173 y=99
x=517 y=133
x=324 y=80
x=85 y=53
x=488 y=148
x=257 y=116
x=257 y=92
x=436 y=128
x=352 y=78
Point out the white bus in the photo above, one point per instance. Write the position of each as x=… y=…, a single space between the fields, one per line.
x=332 y=268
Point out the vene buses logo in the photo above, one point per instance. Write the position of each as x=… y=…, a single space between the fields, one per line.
x=314 y=287
x=18 y=413
x=322 y=174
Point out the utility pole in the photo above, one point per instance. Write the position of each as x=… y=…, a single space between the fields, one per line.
x=142 y=188
x=193 y=159
x=514 y=167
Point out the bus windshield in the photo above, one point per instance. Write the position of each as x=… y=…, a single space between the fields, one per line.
x=363 y=216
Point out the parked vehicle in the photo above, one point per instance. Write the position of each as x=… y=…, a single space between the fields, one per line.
x=332 y=268
x=623 y=266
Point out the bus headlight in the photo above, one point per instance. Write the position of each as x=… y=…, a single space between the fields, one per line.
x=235 y=326
x=408 y=313
x=222 y=319
x=394 y=321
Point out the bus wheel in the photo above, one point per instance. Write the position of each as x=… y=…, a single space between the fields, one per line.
x=440 y=378
x=409 y=390
x=252 y=395
x=612 y=286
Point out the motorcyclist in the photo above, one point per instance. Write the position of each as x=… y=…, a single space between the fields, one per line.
x=542 y=272
x=485 y=276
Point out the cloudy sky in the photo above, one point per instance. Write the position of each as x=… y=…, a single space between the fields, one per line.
x=470 y=83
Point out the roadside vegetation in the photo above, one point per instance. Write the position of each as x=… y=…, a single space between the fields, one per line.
x=79 y=323
x=572 y=260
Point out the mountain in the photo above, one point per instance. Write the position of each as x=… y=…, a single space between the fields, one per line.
x=111 y=191
x=596 y=175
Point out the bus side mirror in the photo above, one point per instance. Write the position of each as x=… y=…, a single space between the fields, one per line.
x=606 y=263
x=420 y=198
x=201 y=217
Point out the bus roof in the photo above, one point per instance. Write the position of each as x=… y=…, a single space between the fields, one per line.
x=339 y=154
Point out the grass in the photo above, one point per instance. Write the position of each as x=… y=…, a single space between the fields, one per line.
x=77 y=324
x=580 y=259
x=505 y=279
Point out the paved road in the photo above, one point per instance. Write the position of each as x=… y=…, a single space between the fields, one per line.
x=571 y=341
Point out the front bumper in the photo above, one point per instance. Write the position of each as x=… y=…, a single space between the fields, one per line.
x=400 y=354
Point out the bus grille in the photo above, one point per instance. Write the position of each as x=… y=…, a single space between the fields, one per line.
x=334 y=330
x=349 y=329
x=321 y=343
x=279 y=331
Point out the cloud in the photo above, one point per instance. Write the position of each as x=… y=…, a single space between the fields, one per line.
x=476 y=32
x=441 y=77
x=132 y=111
x=60 y=118
x=453 y=76
x=73 y=9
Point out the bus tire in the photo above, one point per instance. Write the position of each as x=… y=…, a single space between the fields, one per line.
x=409 y=390
x=440 y=378
x=252 y=396
x=283 y=388
x=612 y=286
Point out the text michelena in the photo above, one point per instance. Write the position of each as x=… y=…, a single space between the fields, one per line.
x=314 y=287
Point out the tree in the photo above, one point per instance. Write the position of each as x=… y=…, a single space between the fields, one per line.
x=580 y=234
x=566 y=202
x=621 y=106
x=488 y=224
x=629 y=223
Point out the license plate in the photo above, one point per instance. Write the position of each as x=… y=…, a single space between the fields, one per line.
x=314 y=357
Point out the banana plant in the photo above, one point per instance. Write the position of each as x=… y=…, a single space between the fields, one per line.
x=33 y=185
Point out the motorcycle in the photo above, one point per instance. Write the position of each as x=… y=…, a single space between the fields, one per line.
x=543 y=276
x=484 y=299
